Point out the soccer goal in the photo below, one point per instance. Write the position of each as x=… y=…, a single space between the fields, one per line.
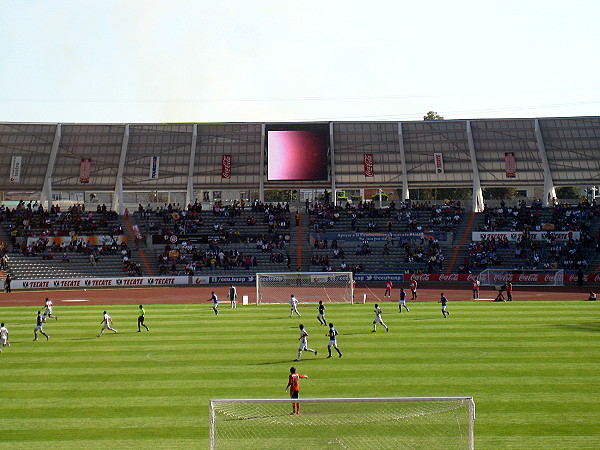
x=519 y=277
x=349 y=423
x=305 y=286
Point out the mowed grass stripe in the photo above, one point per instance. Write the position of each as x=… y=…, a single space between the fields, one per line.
x=531 y=366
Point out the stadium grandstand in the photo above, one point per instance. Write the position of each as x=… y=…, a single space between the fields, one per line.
x=207 y=202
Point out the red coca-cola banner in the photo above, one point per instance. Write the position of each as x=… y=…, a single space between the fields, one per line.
x=368 y=163
x=84 y=170
x=501 y=278
x=226 y=166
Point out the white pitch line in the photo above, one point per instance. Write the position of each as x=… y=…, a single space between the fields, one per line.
x=75 y=300
x=154 y=359
x=374 y=295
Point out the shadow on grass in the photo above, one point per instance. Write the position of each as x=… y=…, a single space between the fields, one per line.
x=286 y=361
x=91 y=338
x=593 y=326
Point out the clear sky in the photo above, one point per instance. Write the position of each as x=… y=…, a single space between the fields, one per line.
x=263 y=60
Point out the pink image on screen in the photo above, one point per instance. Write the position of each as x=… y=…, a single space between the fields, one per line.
x=297 y=155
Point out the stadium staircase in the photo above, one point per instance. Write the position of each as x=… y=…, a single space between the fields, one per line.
x=594 y=267
x=300 y=243
x=137 y=246
x=462 y=239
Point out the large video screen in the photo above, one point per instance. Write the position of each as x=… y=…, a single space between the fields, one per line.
x=297 y=154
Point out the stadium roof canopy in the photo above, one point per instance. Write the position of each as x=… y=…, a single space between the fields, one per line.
x=548 y=152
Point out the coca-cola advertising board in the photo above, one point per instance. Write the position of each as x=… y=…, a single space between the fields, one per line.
x=368 y=163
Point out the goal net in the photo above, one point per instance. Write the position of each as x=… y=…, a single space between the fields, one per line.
x=519 y=277
x=305 y=286
x=349 y=423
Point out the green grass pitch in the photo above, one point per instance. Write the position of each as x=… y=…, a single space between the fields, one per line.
x=532 y=368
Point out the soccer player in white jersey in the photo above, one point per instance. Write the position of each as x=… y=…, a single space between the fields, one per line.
x=106 y=323
x=48 y=310
x=232 y=295
x=4 y=337
x=378 y=319
x=303 y=342
x=294 y=306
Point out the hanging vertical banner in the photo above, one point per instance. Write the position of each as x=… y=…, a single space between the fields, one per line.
x=226 y=166
x=438 y=160
x=84 y=170
x=154 y=164
x=15 y=169
x=368 y=163
x=511 y=165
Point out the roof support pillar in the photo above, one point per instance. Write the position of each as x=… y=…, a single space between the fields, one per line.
x=549 y=190
x=118 y=204
x=261 y=179
x=478 y=204
x=405 y=192
x=46 y=195
x=332 y=165
x=189 y=196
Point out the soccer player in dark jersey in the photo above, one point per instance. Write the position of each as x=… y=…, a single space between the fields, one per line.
x=332 y=340
x=213 y=298
x=443 y=301
x=321 y=315
x=38 y=327
x=402 y=300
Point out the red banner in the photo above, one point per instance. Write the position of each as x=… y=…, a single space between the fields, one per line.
x=84 y=170
x=511 y=165
x=226 y=166
x=501 y=278
x=368 y=163
x=438 y=160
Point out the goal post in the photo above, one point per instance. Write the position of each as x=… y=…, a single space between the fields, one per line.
x=349 y=423
x=307 y=287
x=522 y=277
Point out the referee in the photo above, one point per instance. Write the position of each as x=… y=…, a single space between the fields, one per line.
x=141 y=320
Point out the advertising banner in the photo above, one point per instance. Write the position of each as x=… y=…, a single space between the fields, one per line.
x=368 y=164
x=377 y=237
x=226 y=166
x=511 y=165
x=15 y=169
x=86 y=283
x=438 y=160
x=154 y=166
x=84 y=170
x=532 y=235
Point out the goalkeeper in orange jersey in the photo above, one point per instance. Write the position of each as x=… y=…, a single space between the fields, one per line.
x=294 y=387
